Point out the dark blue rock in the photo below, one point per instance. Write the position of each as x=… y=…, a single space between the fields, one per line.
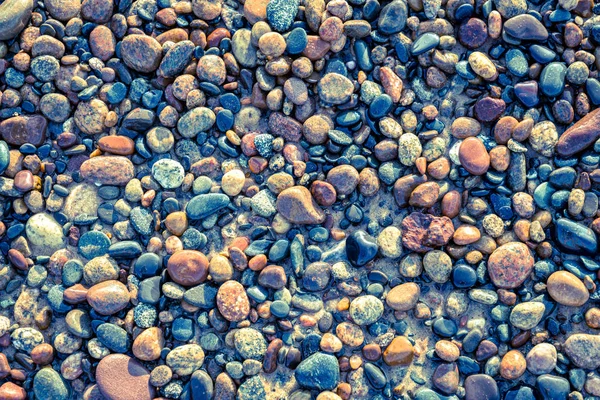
x=147 y=265
x=360 y=248
x=375 y=375
x=392 y=18
x=464 y=276
x=201 y=386
x=552 y=79
x=592 y=87
x=182 y=329
x=541 y=54
x=363 y=55
x=424 y=43
x=4 y=156
x=296 y=41
x=553 y=387
x=444 y=327
x=205 y=205
x=319 y=371
x=381 y=106
x=114 y=337
x=125 y=249
x=93 y=244
x=281 y=14
x=574 y=237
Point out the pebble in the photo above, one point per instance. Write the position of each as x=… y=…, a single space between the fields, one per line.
x=319 y=371
x=510 y=265
x=188 y=267
x=566 y=289
x=122 y=377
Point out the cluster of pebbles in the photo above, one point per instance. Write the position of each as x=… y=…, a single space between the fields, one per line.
x=299 y=199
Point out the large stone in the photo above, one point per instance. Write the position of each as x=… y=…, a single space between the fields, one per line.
x=141 y=53
x=583 y=350
x=319 y=371
x=297 y=205
x=510 y=264
x=107 y=170
x=20 y=130
x=45 y=235
x=121 y=377
x=567 y=289
x=580 y=136
x=14 y=15
x=422 y=232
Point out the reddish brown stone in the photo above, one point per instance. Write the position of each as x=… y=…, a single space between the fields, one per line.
x=509 y=265
x=188 y=267
x=323 y=192
x=404 y=187
x=148 y=344
x=400 y=352
x=580 y=136
x=286 y=127
x=120 y=145
x=272 y=277
x=270 y=362
x=489 y=109
x=102 y=42
x=473 y=33
x=473 y=156
x=316 y=48
x=423 y=232
x=11 y=391
x=20 y=130
x=108 y=170
x=108 y=297
x=232 y=301
x=297 y=205
x=120 y=377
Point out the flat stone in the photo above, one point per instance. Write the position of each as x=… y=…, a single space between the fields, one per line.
x=107 y=170
x=566 y=289
x=20 y=130
x=319 y=371
x=526 y=27
x=121 y=377
x=583 y=350
x=141 y=53
x=297 y=205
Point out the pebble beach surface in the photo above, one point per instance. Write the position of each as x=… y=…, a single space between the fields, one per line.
x=299 y=199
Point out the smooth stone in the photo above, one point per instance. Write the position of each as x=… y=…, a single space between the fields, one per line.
x=107 y=170
x=580 y=135
x=45 y=235
x=121 y=377
x=526 y=27
x=113 y=337
x=566 y=289
x=425 y=42
x=319 y=371
x=527 y=315
x=14 y=16
x=297 y=205
x=553 y=387
x=49 y=385
x=361 y=248
x=574 y=237
x=204 y=205
x=552 y=79
x=481 y=386
x=583 y=350
x=392 y=18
